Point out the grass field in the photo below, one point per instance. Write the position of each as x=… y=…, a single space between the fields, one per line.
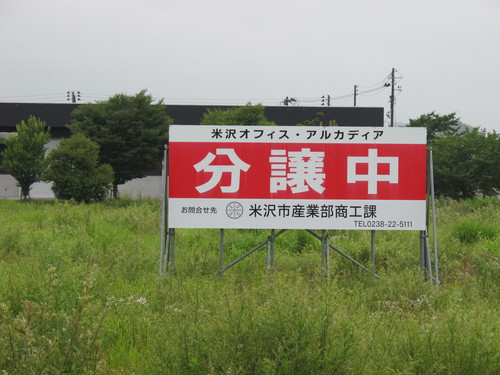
x=80 y=294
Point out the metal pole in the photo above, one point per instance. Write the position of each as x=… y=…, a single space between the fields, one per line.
x=428 y=254
x=172 y=250
x=163 y=224
x=323 y=250
x=425 y=258
x=422 y=252
x=342 y=253
x=272 y=249
x=168 y=245
x=434 y=229
x=327 y=245
x=373 y=252
x=252 y=250
x=245 y=255
x=162 y=244
x=221 y=252
x=268 y=253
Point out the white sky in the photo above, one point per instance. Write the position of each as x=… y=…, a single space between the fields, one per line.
x=231 y=52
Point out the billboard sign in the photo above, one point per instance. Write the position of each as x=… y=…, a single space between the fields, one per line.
x=297 y=177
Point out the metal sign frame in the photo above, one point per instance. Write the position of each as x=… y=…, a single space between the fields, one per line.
x=167 y=237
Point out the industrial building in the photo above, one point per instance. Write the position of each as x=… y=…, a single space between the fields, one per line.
x=57 y=116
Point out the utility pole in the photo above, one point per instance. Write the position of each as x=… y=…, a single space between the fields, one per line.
x=355 y=93
x=392 y=95
x=71 y=96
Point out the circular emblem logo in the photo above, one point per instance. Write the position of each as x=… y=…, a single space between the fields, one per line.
x=234 y=210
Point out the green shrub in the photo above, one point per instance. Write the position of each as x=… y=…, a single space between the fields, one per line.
x=73 y=167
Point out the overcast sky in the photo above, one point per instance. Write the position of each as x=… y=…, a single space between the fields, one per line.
x=446 y=52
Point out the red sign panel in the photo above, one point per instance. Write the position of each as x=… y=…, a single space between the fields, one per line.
x=324 y=179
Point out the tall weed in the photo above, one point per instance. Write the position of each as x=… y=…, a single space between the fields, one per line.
x=472 y=230
x=79 y=293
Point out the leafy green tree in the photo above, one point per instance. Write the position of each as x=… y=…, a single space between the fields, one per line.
x=24 y=154
x=437 y=125
x=245 y=115
x=74 y=169
x=319 y=120
x=467 y=164
x=130 y=130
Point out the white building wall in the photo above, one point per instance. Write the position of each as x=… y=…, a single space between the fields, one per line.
x=8 y=187
x=147 y=187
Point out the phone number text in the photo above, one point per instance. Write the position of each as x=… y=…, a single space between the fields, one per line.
x=382 y=224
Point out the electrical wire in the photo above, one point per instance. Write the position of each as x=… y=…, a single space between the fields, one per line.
x=372 y=92
x=339 y=100
x=34 y=97
x=385 y=80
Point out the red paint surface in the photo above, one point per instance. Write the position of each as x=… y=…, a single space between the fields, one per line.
x=255 y=183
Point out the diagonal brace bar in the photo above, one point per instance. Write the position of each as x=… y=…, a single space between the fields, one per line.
x=342 y=253
x=263 y=243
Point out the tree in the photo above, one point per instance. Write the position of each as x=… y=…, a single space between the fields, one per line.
x=319 y=121
x=245 y=115
x=24 y=153
x=130 y=130
x=437 y=125
x=467 y=164
x=75 y=170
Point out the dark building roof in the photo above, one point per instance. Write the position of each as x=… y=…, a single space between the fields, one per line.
x=57 y=116
x=289 y=115
x=54 y=115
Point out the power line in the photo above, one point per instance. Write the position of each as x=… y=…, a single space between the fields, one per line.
x=34 y=97
x=386 y=79
x=326 y=99
x=373 y=92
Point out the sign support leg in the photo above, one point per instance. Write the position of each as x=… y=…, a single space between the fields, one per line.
x=268 y=254
x=165 y=259
x=164 y=238
x=251 y=251
x=422 y=252
x=425 y=254
x=330 y=246
x=327 y=246
x=434 y=227
x=172 y=250
x=372 y=255
x=272 y=249
x=162 y=251
x=221 y=252
x=428 y=263
x=323 y=251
